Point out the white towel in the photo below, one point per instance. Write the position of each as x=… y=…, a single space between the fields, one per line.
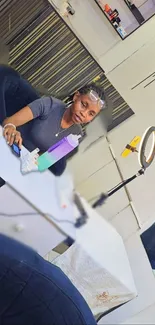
x=101 y=290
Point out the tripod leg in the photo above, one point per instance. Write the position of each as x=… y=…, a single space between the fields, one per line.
x=2 y=182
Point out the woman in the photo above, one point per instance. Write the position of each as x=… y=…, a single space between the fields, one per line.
x=45 y=121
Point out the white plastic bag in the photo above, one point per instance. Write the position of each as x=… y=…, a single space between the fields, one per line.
x=29 y=161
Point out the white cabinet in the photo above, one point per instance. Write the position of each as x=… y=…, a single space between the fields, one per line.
x=102 y=181
x=125 y=223
x=135 y=80
x=88 y=161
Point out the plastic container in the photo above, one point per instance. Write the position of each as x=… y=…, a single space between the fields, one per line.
x=121 y=31
x=58 y=151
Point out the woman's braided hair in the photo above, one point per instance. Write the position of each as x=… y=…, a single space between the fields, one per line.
x=87 y=88
x=95 y=87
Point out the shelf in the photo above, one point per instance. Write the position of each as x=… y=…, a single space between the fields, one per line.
x=122 y=38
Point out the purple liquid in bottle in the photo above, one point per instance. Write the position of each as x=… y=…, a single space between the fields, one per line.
x=58 y=151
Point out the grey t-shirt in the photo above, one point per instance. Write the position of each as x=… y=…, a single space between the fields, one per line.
x=41 y=131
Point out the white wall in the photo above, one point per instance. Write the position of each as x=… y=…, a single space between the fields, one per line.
x=127 y=74
x=95 y=172
x=91 y=26
x=125 y=63
x=132 y=44
x=147 y=316
x=99 y=37
x=141 y=99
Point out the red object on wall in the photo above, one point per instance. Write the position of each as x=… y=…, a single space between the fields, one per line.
x=107 y=9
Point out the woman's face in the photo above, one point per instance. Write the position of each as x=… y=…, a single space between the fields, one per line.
x=83 y=109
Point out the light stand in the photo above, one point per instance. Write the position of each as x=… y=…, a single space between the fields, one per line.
x=104 y=196
x=144 y=163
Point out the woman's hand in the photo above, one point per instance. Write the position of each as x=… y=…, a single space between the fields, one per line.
x=12 y=135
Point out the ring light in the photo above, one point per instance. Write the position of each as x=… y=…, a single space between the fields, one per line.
x=144 y=161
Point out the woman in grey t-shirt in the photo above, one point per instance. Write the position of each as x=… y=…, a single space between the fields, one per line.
x=46 y=120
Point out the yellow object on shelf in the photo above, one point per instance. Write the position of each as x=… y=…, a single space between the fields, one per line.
x=131 y=147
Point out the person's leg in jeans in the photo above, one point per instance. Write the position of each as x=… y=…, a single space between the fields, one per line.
x=148 y=240
x=34 y=291
x=15 y=92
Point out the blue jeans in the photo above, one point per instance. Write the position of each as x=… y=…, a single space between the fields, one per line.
x=34 y=291
x=148 y=240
